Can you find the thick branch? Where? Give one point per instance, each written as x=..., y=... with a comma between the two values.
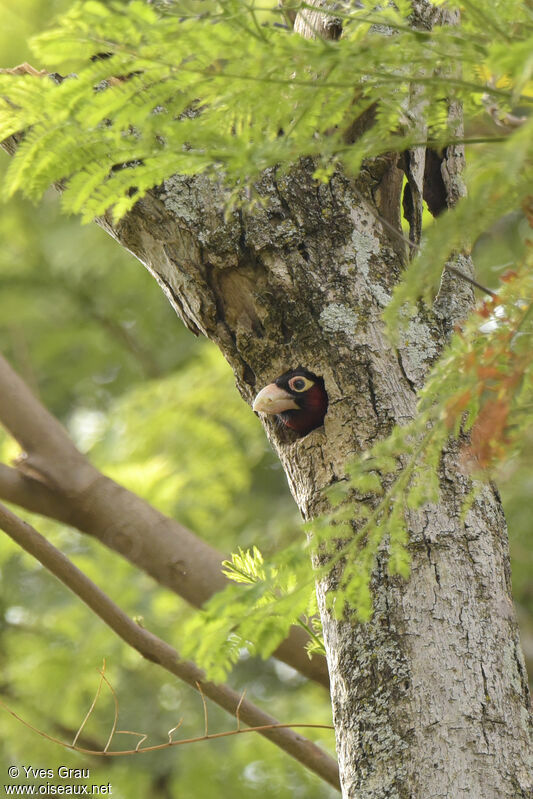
x=49, y=451
x=55, y=479
x=158, y=651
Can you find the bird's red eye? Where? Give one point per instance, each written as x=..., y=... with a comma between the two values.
x=300, y=383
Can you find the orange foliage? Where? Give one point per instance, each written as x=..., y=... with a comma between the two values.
x=488, y=433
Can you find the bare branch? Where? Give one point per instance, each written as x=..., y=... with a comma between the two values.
x=49, y=451
x=159, y=747
x=238, y=711
x=92, y=707
x=115, y=701
x=55, y=479
x=171, y=732
x=158, y=651
x=32, y=494
x=206, y=715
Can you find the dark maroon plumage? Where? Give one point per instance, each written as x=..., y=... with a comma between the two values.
x=298, y=397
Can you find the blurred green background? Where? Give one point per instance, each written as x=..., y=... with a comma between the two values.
x=156, y=409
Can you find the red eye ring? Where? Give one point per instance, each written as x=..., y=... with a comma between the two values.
x=299, y=383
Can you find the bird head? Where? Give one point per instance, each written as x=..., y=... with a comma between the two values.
x=298, y=397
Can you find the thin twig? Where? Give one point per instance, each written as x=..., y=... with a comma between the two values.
x=160, y=747
x=469, y=279
x=115, y=720
x=206, y=716
x=237, y=716
x=93, y=705
x=173, y=730
x=141, y=735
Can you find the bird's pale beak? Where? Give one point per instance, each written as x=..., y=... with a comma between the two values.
x=273, y=399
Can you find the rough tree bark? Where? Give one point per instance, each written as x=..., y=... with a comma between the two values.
x=430, y=698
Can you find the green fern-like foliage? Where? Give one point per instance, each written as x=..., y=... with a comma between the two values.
x=255, y=613
x=224, y=88
x=229, y=92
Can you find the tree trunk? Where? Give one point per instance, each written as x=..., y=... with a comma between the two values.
x=430, y=697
